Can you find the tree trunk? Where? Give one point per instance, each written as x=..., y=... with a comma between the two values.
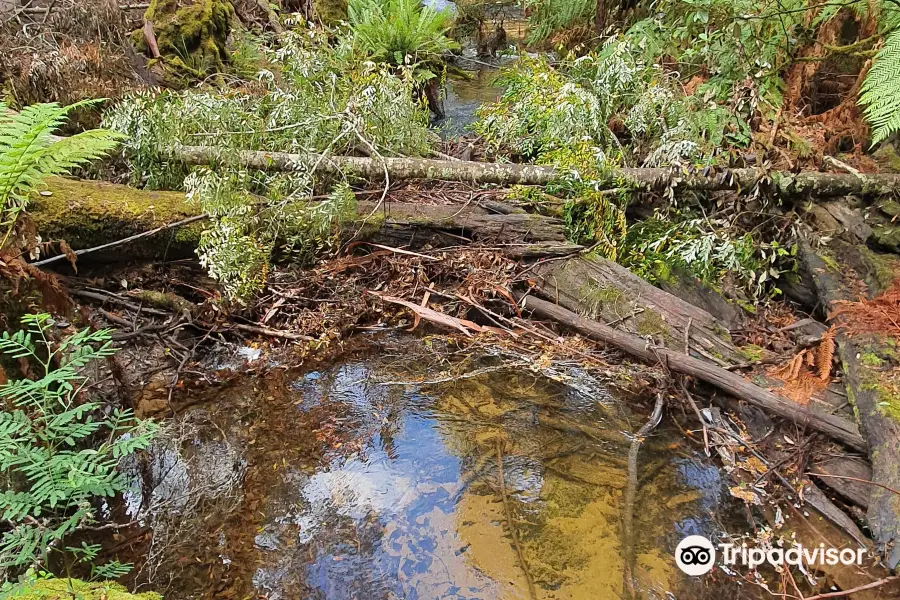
x=373, y=169
x=600, y=17
x=91, y=213
x=836, y=427
x=870, y=375
x=606, y=291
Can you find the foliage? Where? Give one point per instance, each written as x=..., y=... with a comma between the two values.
x=880, y=92
x=611, y=108
x=314, y=99
x=29, y=153
x=58, y=449
x=549, y=16
x=401, y=32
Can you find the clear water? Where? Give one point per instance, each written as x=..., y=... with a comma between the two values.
x=343, y=487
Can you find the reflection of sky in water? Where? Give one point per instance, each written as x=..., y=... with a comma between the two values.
x=706, y=479
x=410, y=499
x=404, y=502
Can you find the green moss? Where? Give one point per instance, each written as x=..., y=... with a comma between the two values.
x=829, y=261
x=603, y=300
x=192, y=37
x=750, y=352
x=883, y=269
x=650, y=323
x=53, y=589
x=883, y=381
x=90, y=213
x=870, y=359
x=330, y=12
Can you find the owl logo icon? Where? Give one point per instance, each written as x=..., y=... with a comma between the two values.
x=695, y=555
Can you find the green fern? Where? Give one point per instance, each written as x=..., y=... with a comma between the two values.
x=400, y=32
x=880, y=93
x=549, y=16
x=60, y=450
x=29, y=152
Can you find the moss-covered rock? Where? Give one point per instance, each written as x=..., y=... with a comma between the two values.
x=191, y=35
x=330, y=12
x=48, y=589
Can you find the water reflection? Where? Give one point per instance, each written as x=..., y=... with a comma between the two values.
x=353, y=489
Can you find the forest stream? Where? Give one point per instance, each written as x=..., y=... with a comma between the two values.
x=353, y=482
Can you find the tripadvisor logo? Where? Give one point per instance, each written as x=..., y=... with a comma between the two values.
x=696, y=555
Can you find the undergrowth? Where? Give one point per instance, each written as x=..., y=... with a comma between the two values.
x=610, y=109
x=311, y=99
x=59, y=450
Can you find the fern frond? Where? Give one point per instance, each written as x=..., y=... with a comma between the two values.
x=880, y=92
x=29, y=151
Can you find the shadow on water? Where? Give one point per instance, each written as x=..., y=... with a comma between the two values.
x=334, y=484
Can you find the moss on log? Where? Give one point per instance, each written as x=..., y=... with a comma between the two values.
x=871, y=366
x=191, y=36
x=606, y=291
x=90, y=213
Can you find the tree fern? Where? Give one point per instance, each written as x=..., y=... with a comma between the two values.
x=398, y=31
x=29, y=152
x=880, y=93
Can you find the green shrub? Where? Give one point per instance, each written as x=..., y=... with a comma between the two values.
x=401, y=33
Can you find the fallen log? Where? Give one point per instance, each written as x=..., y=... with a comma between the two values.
x=94, y=215
x=836, y=427
x=372, y=169
x=845, y=476
x=842, y=273
x=604, y=290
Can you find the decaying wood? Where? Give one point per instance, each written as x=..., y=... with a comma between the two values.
x=841, y=474
x=811, y=416
x=812, y=183
x=825, y=507
x=604, y=290
x=844, y=273
x=96, y=215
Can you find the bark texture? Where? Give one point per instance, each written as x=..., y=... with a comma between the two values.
x=789, y=184
x=601, y=289
x=844, y=272
x=837, y=427
x=91, y=213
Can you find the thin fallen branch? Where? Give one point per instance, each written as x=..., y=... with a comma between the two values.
x=631, y=490
x=132, y=238
x=838, y=428
x=512, y=524
x=811, y=183
x=861, y=588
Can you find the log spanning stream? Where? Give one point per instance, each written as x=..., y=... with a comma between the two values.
x=351, y=482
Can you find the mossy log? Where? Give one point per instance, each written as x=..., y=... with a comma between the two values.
x=871, y=367
x=371, y=169
x=90, y=213
x=604, y=290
